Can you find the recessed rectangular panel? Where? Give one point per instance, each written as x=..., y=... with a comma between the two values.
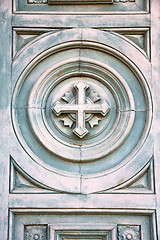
x=79, y=1
x=70, y=226
x=83, y=231
x=81, y=6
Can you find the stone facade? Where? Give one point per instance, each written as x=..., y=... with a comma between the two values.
x=80, y=120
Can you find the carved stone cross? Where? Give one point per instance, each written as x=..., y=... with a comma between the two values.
x=81, y=108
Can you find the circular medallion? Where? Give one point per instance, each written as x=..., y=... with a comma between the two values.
x=84, y=116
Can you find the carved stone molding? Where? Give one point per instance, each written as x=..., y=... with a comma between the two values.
x=22, y=183
x=99, y=7
x=86, y=223
x=114, y=100
x=82, y=231
x=65, y=231
x=129, y=233
x=79, y=106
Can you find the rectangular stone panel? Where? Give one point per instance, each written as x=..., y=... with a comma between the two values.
x=78, y=1
x=50, y=225
x=81, y=6
x=82, y=231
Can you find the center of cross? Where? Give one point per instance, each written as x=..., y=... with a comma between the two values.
x=81, y=107
x=88, y=116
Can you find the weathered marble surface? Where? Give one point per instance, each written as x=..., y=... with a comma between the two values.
x=45, y=186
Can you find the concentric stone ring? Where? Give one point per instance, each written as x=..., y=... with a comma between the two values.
x=86, y=117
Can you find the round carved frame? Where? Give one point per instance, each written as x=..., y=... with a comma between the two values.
x=71, y=167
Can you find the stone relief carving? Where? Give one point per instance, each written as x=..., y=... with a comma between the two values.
x=79, y=106
x=129, y=233
x=48, y=138
x=40, y=232
x=35, y=232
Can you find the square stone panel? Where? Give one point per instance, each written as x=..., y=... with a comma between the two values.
x=35, y=232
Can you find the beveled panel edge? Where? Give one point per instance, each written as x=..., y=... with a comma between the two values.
x=125, y=188
x=100, y=228
x=14, y=169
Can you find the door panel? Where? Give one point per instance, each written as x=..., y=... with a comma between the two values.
x=80, y=120
x=57, y=71
x=84, y=226
x=81, y=6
